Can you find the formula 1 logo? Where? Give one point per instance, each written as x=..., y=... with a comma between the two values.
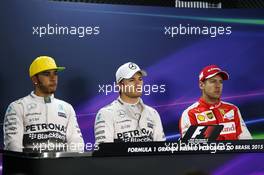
x=199, y=132
x=210, y=132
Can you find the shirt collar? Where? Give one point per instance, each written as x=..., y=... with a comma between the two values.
x=129, y=104
x=208, y=105
x=42, y=99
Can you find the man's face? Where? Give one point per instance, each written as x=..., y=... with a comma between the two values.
x=212, y=87
x=132, y=87
x=46, y=81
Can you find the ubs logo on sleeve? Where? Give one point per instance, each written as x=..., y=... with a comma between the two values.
x=61, y=111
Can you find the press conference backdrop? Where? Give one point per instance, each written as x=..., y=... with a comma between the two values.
x=172, y=45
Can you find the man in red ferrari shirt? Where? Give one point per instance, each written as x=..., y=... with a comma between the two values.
x=210, y=110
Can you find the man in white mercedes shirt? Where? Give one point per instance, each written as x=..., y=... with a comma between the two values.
x=40, y=122
x=128, y=119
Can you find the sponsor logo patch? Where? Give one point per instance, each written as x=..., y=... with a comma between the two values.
x=229, y=128
x=121, y=113
x=201, y=117
x=150, y=125
x=229, y=115
x=125, y=126
x=222, y=111
x=31, y=106
x=135, y=135
x=98, y=117
x=210, y=115
x=61, y=114
x=10, y=111
x=205, y=117
x=34, y=114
